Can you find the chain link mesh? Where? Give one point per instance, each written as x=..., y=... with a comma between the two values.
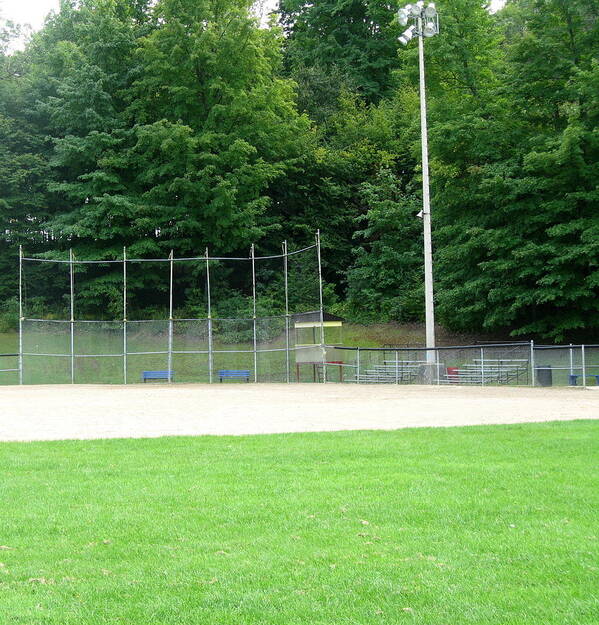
x=210, y=315
x=259, y=316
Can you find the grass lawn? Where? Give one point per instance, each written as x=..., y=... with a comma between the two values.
x=483, y=525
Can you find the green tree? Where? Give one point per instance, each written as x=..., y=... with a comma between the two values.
x=385, y=281
x=23, y=163
x=518, y=179
x=186, y=162
x=337, y=45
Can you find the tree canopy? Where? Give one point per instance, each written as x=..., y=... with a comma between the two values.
x=181, y=124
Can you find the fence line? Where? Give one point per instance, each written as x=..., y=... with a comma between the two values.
x=209, y=308
x=516, y=362
x=255, y=341
x=287, y=319
x=499, y=363
x=72, y=282
x=20, y=314
x=322, y=341
x=438, y=348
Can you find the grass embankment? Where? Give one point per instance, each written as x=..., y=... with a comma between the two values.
x=480, y=525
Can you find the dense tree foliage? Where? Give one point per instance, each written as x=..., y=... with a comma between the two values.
x=517, y=192
x=181, y=124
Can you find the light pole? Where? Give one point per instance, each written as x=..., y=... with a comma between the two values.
x=425, y=23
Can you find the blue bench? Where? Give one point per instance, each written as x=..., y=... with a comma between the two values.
x=157, y=375
x=223, y=374
x=573, y=378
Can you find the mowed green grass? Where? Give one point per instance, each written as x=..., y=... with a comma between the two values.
x=481, y=525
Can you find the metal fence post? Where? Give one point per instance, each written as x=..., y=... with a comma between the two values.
x=396, y=367
x=170, y=320
x=255, y=343
x=209, y=305
x=584, y=367
x=124, y=315
x=482, y=366
x=20, y=314
x=322, y=343
x=532, y=363
x=571, y=361
x=72, y=281
x=286, y=278
x=358, y=366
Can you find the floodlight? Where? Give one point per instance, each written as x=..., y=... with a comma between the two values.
x=406, y=36
x=430, y=10
x=402, y=17
x=420, y=4
x=415, y=10
x=429, y=29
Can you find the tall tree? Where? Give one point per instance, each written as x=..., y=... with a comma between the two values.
x=337, y=45
x=23, y=163
x=186, y=160
x=519, y=187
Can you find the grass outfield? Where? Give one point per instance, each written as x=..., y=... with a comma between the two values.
x=482, y=525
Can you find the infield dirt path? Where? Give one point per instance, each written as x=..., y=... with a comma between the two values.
x=85, y=412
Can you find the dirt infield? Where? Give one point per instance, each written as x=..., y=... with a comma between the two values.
x=84, y=412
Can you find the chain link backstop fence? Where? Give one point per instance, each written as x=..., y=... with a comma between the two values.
x=214, y=319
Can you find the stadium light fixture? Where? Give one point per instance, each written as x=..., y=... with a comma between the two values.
x=430, y=11
x=425, y=23
x=407, y=35
x=425, y=18
x=429, y=30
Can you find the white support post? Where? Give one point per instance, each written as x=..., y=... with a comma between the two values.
x=287, y=320
x=170, y=319
x=532, y=364
x=322, y=343
x=209, y=305
x=358, y=366
x=124, y=315
x=20, y=314
x=396, y=367
x=571, y=361
x=426, y=211
x=253, y=258
x=482, y=366
x=584, y=367
x=72, y=281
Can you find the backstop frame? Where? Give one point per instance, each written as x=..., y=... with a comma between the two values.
x=72, y=262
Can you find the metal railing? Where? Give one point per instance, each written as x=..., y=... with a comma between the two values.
x=195, y=359
x=499, y=364
x=9, y=368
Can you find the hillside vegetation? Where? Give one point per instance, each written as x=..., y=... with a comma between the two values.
x=180, y=124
